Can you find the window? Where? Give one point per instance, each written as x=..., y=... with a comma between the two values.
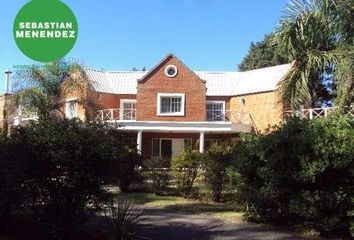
x=128, y=109
x=170, y=104
x=156, y=147
x=71, y=109
x=171, y=71
x=215, y=111
x=161, y=147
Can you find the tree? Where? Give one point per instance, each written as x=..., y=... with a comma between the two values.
x=41, y=89
x=318, y=37
x=262, y=54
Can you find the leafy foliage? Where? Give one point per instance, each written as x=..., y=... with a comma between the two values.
x=126, y=160
x=301, y=172
x=262, y=54
x=317, y=36
x=185, y=170
x=12, y=191
x=215, y=163
x=56, y=169
x=122, y=218
x=158, y=172
x=40, y=90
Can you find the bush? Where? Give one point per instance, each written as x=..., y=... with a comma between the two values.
x=215, y=163
x=158, y=172
x=302, y=172
x=122, y=219
x=56, y=169
x=126, y=160
x=13, y=158
x=185, y=170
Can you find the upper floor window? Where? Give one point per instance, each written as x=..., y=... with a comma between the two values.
x=170, y=104
x=215, y=110
x=71, y=108
x=171, y=71
x=128, y=109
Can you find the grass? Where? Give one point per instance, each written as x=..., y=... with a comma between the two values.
x=226, y=211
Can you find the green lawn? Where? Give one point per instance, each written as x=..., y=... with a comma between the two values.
x=225, y=211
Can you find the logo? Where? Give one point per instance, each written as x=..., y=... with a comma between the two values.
x=45, y=30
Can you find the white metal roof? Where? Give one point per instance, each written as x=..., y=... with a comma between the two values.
x=217, y=83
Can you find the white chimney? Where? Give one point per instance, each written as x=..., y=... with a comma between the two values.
x=7, y=80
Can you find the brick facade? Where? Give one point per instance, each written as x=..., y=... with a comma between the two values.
x=225, y=99
x=263, y=107
x=184, y=82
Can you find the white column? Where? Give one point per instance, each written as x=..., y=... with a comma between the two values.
x=139, y=140
x=201, y=142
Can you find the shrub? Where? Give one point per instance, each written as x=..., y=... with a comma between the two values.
x=122, y=219
x=185, y=170
x=12, y=178
x=300, y=173
x=215, y=163
x=126, y=160
x=158, y=172
x=60, y=167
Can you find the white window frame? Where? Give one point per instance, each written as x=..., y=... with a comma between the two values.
x=160, y=95
x=167, y=68
x=217, y=102
x=67, y=110
x=121, y=108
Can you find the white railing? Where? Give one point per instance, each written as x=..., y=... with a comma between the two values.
x=313, y=113
x=114, y=114
x=229, y=116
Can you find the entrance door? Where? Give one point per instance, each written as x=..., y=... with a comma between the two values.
x=166, y=148
x=177, y=146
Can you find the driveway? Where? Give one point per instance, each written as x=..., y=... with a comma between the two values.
x=162, y=224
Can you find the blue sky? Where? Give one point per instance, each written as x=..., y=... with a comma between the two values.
x=120, y=35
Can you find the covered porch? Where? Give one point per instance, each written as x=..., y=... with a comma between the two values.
x=168, y=139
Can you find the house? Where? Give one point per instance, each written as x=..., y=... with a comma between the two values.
x=171, y=106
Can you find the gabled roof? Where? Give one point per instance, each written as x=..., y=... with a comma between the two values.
x=168, y=56
x=217, y=83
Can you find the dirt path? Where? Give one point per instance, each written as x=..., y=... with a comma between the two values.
x=161, y=224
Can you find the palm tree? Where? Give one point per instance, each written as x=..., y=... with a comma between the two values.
x=42, y=89
x=318, y=37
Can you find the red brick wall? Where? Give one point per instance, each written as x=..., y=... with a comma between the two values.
x=185, y=82
x=109, y=100
x=226, y=99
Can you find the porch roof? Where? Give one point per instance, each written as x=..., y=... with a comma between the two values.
x=183, y=127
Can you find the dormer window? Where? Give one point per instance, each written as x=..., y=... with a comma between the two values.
x=170, y=104
x=171, y=71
